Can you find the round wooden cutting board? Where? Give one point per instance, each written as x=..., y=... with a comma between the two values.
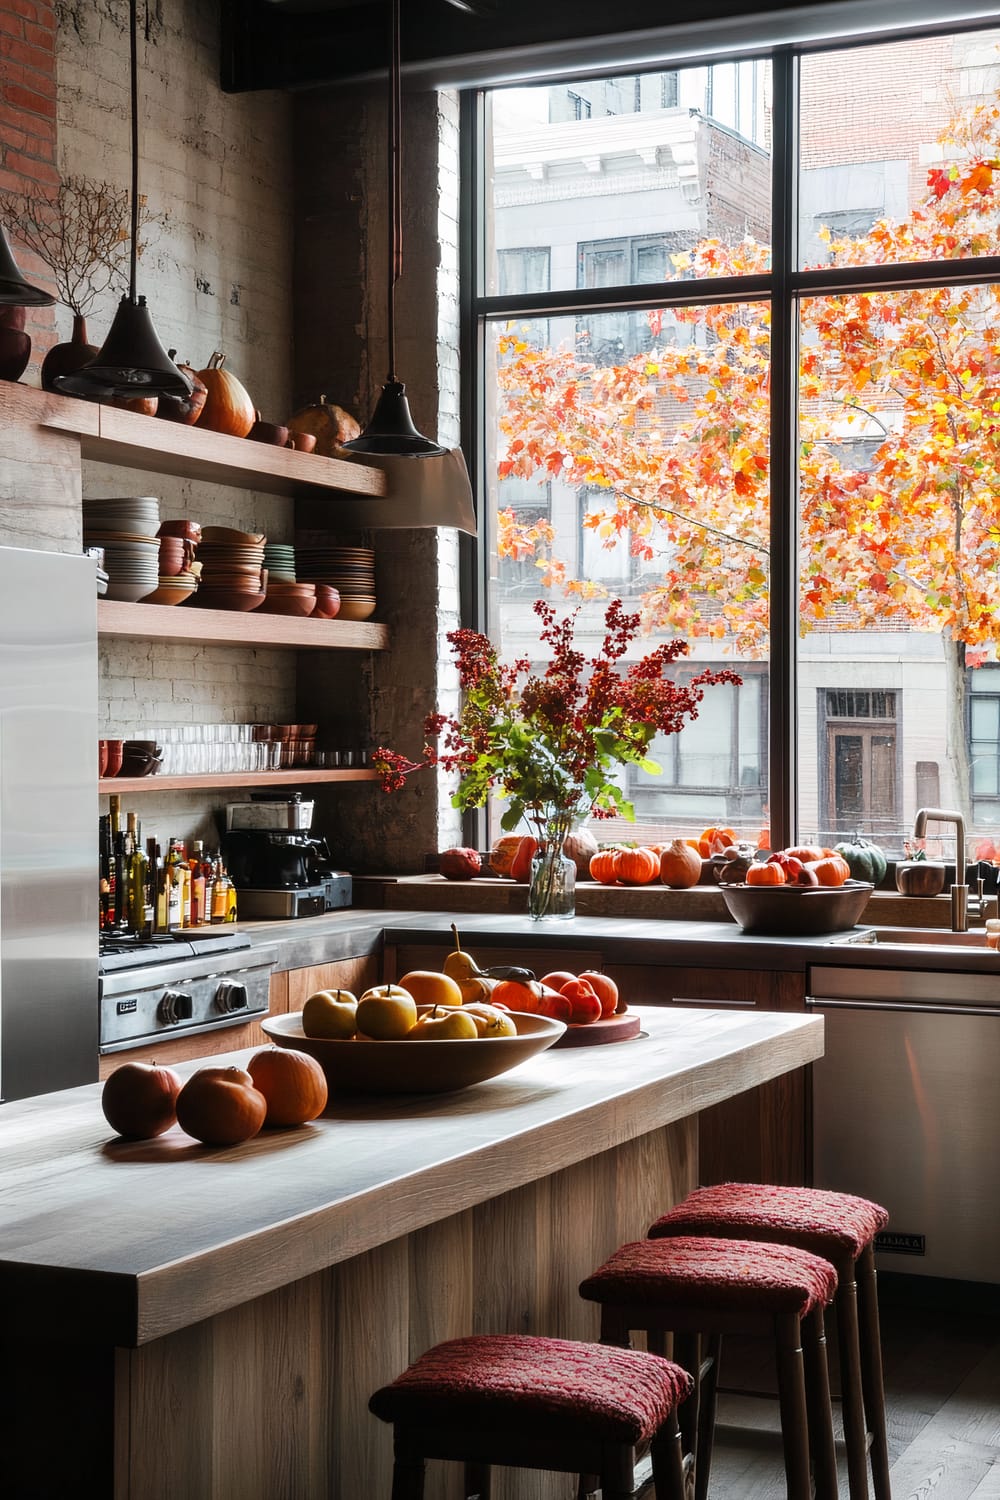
x=597, y=1033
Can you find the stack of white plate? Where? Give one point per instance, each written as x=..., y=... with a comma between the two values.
x=350, y=570
x=126, y=529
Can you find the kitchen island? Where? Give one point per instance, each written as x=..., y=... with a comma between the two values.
x=210, y=1323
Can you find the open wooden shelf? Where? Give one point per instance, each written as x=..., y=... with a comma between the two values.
x=224, y=627
x=114, y=436
x=233, y=779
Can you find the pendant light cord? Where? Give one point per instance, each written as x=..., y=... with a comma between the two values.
x=134, y=83
x=395, y=182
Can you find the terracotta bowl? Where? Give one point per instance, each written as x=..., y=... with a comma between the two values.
x=304, y=442
x=794, y=910
x=301, y=605
x=268, y=432
x=415, y=1067
x=189, y=531
x=327, y=601
x=116, y=749
x=236, y=599
x=229, y=534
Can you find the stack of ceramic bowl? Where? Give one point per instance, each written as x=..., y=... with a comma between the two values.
x=232, y=563
x=125, y=529
x=349, y=570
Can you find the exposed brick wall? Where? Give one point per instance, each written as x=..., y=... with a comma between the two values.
x=28, y=134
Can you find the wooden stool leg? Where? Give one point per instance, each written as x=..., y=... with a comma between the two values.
x=821, y=1446
x=408, y=1467
x=687, y=1353
x=851, y=1387
x=871, y=1372
x=478, y=1481
x=792, y=1398
x=667, y=1453
x=711, y=1360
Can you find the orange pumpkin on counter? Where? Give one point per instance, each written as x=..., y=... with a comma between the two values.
x=768, y=874
x=602, y=867
x=636, y=866
x=680, y=865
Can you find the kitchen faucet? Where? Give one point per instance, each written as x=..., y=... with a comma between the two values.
x=959, y=889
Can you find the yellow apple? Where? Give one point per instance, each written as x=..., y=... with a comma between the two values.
x=330, y=1013
x=386, y=1012
x=445, y=1023
x=430, y=988
x=490, y=1021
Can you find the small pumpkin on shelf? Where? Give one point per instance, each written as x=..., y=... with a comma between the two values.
x=228, y=408
x=636, y=866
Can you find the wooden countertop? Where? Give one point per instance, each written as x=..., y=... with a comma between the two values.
x=118, y=1243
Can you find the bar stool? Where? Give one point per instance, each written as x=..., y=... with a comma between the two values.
x=536, y=1403
x=700, y=1288
x=842, y=1229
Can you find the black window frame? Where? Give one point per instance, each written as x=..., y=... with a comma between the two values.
x=785, y=286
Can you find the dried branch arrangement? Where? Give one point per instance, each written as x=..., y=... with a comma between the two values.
x=81, y=232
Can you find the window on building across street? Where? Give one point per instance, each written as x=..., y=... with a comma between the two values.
x=838, y=550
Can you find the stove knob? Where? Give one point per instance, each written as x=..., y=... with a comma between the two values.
x=231, y=996
x=175, y=1006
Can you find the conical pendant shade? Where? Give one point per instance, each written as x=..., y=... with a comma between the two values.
x=131, y=362
x=14, y=290
x=391, y=431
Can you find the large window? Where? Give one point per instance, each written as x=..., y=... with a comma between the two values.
x=813, y=502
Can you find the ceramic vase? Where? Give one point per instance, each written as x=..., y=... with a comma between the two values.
x=66, y=359
x=15, y=344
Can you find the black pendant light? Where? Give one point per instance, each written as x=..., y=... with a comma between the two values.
x=14, y=290
x=391, y=430
x=131, y=361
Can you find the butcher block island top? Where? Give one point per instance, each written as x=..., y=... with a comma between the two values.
x=118, y=1243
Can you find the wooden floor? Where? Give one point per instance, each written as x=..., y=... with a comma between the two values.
x=942, y=1373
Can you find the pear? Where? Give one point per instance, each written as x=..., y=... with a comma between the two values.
x=473, y=981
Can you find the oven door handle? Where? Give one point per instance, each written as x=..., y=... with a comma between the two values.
x=818, y=1002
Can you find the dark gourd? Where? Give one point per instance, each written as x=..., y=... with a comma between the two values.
x=865, y=859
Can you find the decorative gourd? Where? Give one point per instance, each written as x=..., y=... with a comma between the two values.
x=832, y=869
x=714, y=840
x=184, y=409
x=602, y=867
x=580, y=846
x=502, y=853
x=636, y=866
x=766, y=874
x=680, y=865
x=520, y=865
x=866, y=860
x=329, y=424
x=228, y=407
x=807, y=853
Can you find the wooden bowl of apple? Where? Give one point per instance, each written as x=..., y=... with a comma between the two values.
x=414, y=1037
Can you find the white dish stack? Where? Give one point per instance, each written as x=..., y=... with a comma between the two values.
x=126, y=529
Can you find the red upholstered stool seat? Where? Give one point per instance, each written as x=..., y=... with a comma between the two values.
x=842, y=1228
x=536, y=1403
x=700, y=1288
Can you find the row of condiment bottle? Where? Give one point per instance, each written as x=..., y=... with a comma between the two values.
x=145, y=892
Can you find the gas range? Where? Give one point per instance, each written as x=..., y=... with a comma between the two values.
x=179, y=985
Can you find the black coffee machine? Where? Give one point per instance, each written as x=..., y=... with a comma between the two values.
x=281, y=870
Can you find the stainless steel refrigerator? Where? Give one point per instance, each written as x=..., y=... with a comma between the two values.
x=48, y=822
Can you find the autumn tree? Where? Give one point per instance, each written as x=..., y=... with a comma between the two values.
x=678, y=438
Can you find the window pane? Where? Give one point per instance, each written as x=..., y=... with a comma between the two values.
x=677, y=157
x=658, y=476
x=898, y=479
x=910, y=179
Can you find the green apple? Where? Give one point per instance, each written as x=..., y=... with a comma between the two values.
x=330, y=1014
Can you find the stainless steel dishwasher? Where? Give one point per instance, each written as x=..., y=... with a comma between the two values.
x=906, y=1110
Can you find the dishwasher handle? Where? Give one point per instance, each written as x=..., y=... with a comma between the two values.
x=818, y=1002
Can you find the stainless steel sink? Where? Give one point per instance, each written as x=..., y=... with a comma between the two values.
x=910, y=937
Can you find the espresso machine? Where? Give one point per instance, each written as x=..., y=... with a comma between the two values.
x=278, y=866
